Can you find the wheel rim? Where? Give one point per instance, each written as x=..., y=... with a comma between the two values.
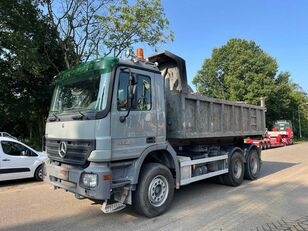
x=158, y=191
x=40, y=173
x=237, y=169
x=254, y=165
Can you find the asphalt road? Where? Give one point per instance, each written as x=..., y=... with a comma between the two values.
x=276, y=201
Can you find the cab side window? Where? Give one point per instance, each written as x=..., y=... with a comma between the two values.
x=15, y=149
x=143, y=94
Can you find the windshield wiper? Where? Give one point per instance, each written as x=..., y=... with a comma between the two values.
x=79, y=117
x=55, y=118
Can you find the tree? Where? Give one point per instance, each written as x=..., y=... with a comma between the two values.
x=142, y=22
x=281, y=99
x=242, y=71
x=103, y=27
x=239, y=70
x=29, y=59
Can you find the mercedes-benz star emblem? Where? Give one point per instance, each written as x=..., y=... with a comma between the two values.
x=62, y=149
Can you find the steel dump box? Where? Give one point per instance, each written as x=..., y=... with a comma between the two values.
x=194, y=116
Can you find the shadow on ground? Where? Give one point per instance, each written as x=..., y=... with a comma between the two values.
x=271, y=167
x=10, y=183
x=191, y=202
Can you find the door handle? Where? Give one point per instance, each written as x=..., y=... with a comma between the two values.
x=6, y=160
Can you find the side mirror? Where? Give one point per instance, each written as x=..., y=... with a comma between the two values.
x=132, y=82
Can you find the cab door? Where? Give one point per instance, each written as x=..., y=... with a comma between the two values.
x=16, y=161
x=139, y=130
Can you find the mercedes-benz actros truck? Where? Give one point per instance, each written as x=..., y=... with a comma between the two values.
x=131, y=132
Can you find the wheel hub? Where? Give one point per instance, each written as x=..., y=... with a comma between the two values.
x=254, y=165
x=158, y=191
x=237, y=169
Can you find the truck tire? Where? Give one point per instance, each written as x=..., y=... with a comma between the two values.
x=265, y=145
x=253, y=165
x=235, y=175
x=155, y=190
x=269, y=145
x=261, y=146
x=38, y=174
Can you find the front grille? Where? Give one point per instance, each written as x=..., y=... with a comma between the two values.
x=77, y=150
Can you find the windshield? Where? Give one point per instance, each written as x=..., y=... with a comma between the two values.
x=83, y=93
x=282, y=125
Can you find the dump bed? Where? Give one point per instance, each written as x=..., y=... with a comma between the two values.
x=192, y=116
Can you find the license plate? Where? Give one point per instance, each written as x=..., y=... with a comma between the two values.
x=63, y=174
x=58, y=172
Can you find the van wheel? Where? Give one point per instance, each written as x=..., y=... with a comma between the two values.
x=235, y=175
x=155, y=190
x=38, y=175
x=253, y=165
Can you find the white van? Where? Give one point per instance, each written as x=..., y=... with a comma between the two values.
x=18, y=160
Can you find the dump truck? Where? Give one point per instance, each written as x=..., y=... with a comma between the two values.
x=131, y=132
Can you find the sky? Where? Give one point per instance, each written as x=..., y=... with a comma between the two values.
x=280, y=27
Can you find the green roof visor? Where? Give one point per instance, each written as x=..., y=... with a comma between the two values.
x=102, y=66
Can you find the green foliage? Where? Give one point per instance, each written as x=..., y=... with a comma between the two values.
x=242, y=71
x=239, y=70
x=96, y=28
x=29, y=58
x=142, y=22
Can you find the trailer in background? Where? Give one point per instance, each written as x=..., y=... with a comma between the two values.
x=281, y=135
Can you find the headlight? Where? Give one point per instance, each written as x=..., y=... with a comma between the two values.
x=89, y=180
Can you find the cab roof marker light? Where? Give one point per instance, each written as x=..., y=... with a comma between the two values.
x=140, y=53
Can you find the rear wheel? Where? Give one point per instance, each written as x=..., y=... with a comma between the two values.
x=38, y=175
x=261, y=146
x=269, y=145
x=265, y=145
x=236, y=170
x=253, y=165
x=155, y=190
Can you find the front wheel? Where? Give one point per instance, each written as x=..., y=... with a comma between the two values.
x=38, y=175
x=155, y=190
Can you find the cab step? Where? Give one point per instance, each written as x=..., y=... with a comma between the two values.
x=112, y=208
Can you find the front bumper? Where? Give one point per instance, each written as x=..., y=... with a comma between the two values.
x=68, y=178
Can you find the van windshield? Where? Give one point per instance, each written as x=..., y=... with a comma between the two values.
x=87, y=93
